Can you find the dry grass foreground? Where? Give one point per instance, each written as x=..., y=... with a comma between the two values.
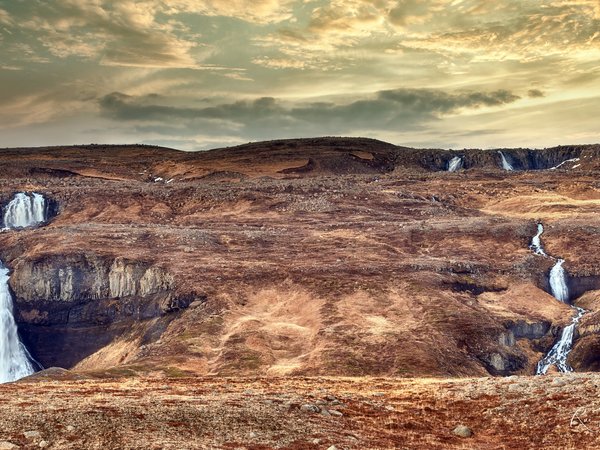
x=561, y=411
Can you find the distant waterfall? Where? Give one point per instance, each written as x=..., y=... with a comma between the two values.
x=557, y=356
x=558, y=282
x=25, y=210
x=505, y=164
x=536, y=242
x=15, y=362
x=456, y=163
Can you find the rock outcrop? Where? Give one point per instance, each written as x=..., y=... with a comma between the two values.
x=71, y=305
x=80, y=278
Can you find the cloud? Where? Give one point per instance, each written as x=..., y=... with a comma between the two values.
x=124, y=33
x=535, y=93
x=406, y=12
x=254, y=11
x=342, y=31
x=281, y=68
x=5, y=17
x=266, y=116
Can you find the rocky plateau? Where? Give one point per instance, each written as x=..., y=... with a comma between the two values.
x=314, y=260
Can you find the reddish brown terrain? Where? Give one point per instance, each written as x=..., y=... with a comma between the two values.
x=165, y=279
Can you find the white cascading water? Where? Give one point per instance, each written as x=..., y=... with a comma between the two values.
x=558, y=282
x=557, y=356
x=536, y=243
x=15, y=361
x=25, y=210
x=505, y=164
x=456, y=163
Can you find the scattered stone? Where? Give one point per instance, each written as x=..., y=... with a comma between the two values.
x=308, y=407
x=324, y=412
x=463, y=431
x=70, y=428
x=5, y=445
x=316, y=441
x=335, y=412
x=43, y=444
x=333, y=447
x=252, y=435
x=32, y=435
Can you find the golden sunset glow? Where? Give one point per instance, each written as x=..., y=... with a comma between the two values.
x=200, y=74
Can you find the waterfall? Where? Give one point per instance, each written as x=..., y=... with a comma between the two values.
x=558, y=282
x=557, y=356
x=536, y=243
x=505, y=164
x=15, y=361
x=25, y=210
x=456, y=163
x=558, y=353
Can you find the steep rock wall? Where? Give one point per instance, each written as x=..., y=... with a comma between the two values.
x=80, y=278
x=69, y=306
x=519, y=158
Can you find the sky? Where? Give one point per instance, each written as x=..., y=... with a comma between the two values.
x=200, y=74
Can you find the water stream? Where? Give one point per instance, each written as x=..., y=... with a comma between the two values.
x=557, y=356
x=536, y=243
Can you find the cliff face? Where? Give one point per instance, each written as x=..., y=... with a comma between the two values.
x=83, y=277
x=69, y=306
x=520, y=159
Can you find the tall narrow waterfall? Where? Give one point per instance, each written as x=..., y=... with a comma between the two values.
x=557, y=356
x=14, y=359
x=456, y=163
x=25, y=210
x=505, y=164
x=558, y=282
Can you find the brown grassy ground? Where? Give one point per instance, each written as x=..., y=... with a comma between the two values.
x=264, y=413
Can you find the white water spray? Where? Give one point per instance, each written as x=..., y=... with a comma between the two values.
x=15, y=361
x=558, y=282
x=456, y=163
x=557, y=355
x=25, y=210
x=536, y=242
x=505, y=164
